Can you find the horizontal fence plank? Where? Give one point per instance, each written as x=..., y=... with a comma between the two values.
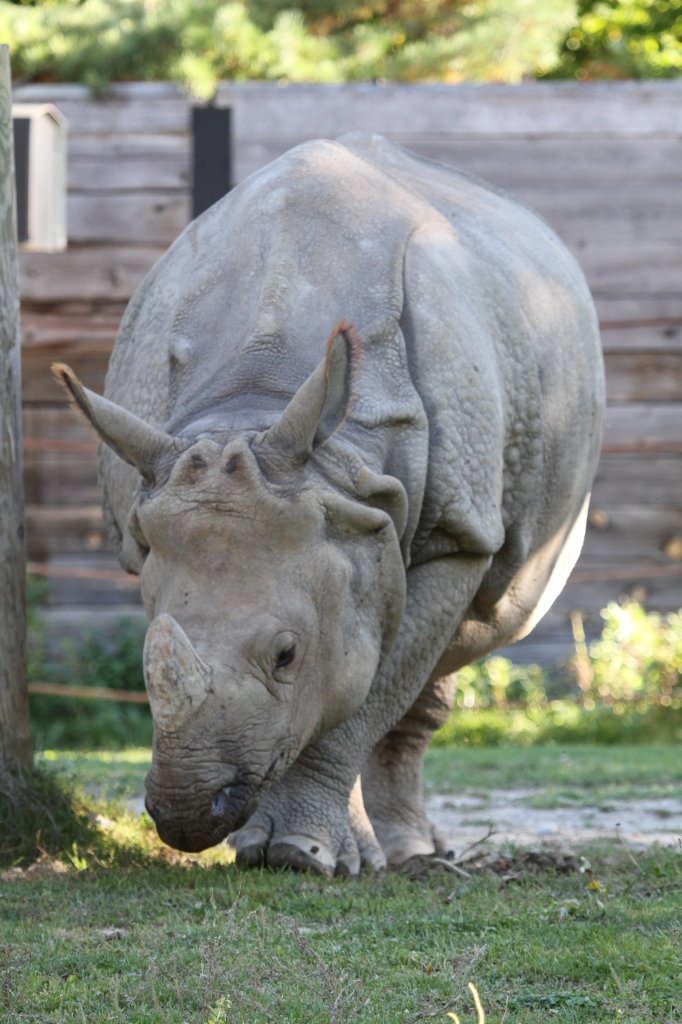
x=618, y=307
x=93, y=578
x=643, y=423
x=659, y=593
x=617, y=536
x=52, y=530
x=44, y=329
x=638, y=480
x=58, y=478
x=56, y=421
x=585, y=217
x=107, y=273
x=64, y=478
x=649, y=270
x=552, y=635
x=644, y=376
x=88, y=360
x=139, y=218
x=84, y=568
x=127, y=108
x=553, y=161
x=589, y=108
x=97, y=321
x=270, y=116
x=622, y=535
x=661, y=335
x=596, y=233
x=126, y=163
x=88, y=692
x=627, y=283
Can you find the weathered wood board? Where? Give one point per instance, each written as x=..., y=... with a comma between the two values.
x=15, y=736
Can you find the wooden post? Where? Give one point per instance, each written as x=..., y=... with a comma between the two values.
x=15, y=737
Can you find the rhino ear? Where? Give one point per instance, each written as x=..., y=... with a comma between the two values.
x=133, y=440
x=317, y=409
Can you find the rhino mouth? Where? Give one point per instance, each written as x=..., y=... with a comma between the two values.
x=192, y=831
x=193, y=828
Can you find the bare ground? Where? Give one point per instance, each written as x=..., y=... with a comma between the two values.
x=513, y=819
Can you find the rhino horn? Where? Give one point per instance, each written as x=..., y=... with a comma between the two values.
x=317, y=409
x=177, y=679
x=133, y=440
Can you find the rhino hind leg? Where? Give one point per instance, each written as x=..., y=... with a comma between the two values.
x=393, y=784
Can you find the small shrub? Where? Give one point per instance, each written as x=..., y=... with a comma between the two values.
x=112, y=661
x=626, y=687
x=638, y=658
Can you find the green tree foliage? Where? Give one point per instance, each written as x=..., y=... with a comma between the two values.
x=199, y=42
x=623, y=39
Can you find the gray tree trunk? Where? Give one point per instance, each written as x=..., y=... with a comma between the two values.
x=15, y=738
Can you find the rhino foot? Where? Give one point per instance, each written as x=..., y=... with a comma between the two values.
x=281, y=834
x=301, y=852
x=402, y=841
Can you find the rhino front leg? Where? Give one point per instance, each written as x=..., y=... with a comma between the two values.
x=305, y=825
x=307, y=820
x=393, y=780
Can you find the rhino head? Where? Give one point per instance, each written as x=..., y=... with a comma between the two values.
x=272, y=596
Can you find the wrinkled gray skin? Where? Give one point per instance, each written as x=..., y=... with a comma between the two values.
x=323, y=538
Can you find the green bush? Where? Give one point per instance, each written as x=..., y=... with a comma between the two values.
x=626, y=687
x=200, y=42
x=623, y=39
x=94, y=660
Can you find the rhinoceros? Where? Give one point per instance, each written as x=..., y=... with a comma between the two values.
x=351, y=423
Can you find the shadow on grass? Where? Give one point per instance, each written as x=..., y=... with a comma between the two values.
x=46, y=817
x=39, y=814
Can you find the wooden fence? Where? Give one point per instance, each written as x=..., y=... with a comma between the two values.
x=601, y=162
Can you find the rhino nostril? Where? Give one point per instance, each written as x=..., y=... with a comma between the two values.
x=223, y=801
x=230, y=801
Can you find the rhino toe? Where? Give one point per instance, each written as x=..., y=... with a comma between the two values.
x=303, y=854
x=250, y=843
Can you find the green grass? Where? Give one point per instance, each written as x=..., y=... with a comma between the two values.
x=168, y=943
x=577, y=773
x=634, y=770
x=119, y=929
x=109, y=774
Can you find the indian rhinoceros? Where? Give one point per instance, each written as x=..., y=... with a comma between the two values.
x=325, y=535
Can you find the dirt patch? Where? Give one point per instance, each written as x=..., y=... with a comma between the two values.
x=466, y=818
x=509, y=868
x=43, y=868
x=513, y=819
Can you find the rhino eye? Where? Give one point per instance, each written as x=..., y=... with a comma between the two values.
x=285, y=656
